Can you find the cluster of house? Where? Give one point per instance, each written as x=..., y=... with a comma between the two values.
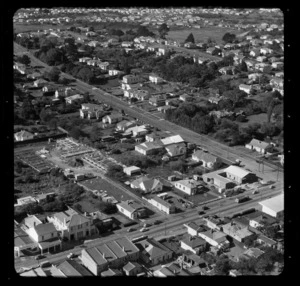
x=123, y=256
x=47, y=233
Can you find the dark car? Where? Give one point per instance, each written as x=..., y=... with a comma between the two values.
x=201, y=212
x=45, y=264
x=157, y=222
x=205, y=208
x=40, y=256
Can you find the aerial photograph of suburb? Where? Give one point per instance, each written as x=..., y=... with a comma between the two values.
x=148, y=142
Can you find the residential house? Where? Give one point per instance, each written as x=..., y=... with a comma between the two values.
x=238, y=59
x=219, y=180
x=227, y=70
x=137, y=130
x=277, y=65
x=261, y=220
x=266, y=241
x=48, y=88
x=189, y=187
x=132, y=268
x=266, y=51
x=124, y=124
x=185, y=97
x=153, y=252
x=164, y=108
x=23, y=135
x=277, y=82
x=126, y=44
x=72, y=225
x=93, y=44
x=252, y=253
x=74, y=98
x=132, y=170
x=254, y=53
x=194, y=244
x=259, y=146
x=254, y=76
x=246, y=88
x=114, y=72
x=110, y=254
x=211, y=50
x=195, y=227
x=40, y=82
x=273, y=206
x=22, y=240
x=147, y=184
x=175, y=150
x=239, y=175
x=44, y=234
x=250, y=64
x=84, y=59
x=215, y=238
x=35, y=75
x=148, y=148
x=111, y=272
x=207, y=159
x=163, y=204
x=131, y=209
x=71, y=268
x=170, y=270
x=155, y=79
x=21, y=68
x=67, y=91
x=89, y=110
x=128, y=79
x=214, y=222
x=175, y=139
x=112, y=118
x=215, y=99
x=263, y=67
x=261, y=59
x=157, y=100
x=156, y=136
x=103, y=65
x=236, y=231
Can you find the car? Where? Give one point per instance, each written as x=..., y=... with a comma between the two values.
x=45, y=264
x=201, y=212
x=157, y=222
x=40, y=256
x=272, y=187
x=144, y=229
x=205, y=208
x=71, y=255
x=131, y=229
x=255, y=192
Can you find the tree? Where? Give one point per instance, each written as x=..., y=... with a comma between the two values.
x=163, y=30
x=222, y=266
x=53, y=74
x=86, y=74
x=24, y=60
x=190, y=38
x=243, y=67
x=229, y=38
x=143, y=31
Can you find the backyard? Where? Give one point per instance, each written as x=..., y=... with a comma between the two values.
x=256, y=118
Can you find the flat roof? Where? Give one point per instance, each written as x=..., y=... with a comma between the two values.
x=240, y=172
x=275, y=203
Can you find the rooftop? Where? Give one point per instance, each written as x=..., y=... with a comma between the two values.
x=236, y=171
x=72, y=268
x=275, y=203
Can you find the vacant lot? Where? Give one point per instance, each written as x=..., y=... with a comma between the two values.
x=202, y=34
x=100, y=184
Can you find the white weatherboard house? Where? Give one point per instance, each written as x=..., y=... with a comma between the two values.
x=274, y=206
x=258, y=146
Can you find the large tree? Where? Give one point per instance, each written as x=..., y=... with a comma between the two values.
x=229, y=38
x=190, y=38
x=163, y=30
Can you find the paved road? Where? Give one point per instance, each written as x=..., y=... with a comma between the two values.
x=214, y=147
x=168, y=227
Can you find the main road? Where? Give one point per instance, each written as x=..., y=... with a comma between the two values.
x=271, y=172
x=228, y=206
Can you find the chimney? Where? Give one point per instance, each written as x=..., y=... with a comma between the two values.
x=103, y=255
x=123, y=248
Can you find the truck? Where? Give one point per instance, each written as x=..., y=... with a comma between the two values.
x=242, y=199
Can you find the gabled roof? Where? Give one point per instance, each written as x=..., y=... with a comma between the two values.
x=153, y=248
x=72, y=218
x=206, y=157
x=260, y=144
x=42, y=229
x=236, y=171
x=130, y=206
x=172, y=140
x=151, y=184
x=23, y=133
x=131, y=265
x=71, y=268
x=193, y=241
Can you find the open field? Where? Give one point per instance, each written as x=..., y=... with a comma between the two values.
x=202, y=34
x=23, y=27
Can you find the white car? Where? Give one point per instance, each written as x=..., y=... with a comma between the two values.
x=144, y=229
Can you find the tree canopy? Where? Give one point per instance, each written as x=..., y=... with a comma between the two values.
x=229, y=38
x=190, y=39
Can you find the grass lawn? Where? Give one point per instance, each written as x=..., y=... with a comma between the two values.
x=88, y=206
x=202, y=34
x=256, y=118
x=111, y=83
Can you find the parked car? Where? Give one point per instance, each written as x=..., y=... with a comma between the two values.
x=272, y=187
x=144, y=229
x=71, y=255
x=157, y=222
x=255, y=192
x=45, y=264
x=40, y=256
x=131, y=229
x=205, y=208
x=201, y=212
